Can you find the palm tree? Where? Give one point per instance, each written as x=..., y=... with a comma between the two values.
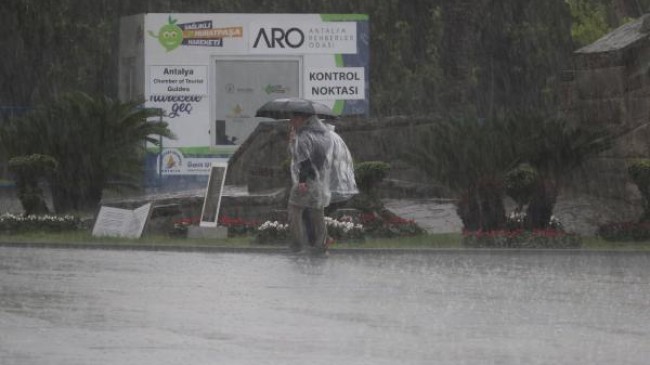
x=554, y=147
x=98, y=142
x=470, y=157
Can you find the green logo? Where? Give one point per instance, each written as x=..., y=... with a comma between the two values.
x=170, y=35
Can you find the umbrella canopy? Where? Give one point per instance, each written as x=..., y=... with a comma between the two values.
x=283, y=108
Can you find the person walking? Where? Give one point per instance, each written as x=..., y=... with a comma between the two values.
x=320, y=165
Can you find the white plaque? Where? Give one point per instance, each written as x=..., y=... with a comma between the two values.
x=117, y=222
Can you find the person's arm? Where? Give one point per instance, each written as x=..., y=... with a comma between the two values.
x=306, y=171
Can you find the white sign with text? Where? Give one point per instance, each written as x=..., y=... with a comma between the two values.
x=118, y=222
x=335, y=83
x=302, y=38
x=178, y=80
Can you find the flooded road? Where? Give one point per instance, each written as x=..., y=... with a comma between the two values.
x=130, y=307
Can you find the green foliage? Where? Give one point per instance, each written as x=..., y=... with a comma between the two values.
x=405, y=41
x=520, y=183
x=639, y=171
x=470, y=157
x=473, y=157
x=370, y=173
x=28, y=171
x=459, y=152
x=503, y=55
x=554, y=147
x=589, y=21
x=98, y=143
x=33, y=166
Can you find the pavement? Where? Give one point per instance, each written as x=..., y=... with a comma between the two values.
x=578, y=213
x=432, y=215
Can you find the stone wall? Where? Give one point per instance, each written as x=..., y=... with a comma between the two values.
x=262, y=160
x=612, y=90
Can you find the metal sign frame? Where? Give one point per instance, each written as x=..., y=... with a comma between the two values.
x=213, y=193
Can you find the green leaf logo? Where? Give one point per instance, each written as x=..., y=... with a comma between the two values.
x=170, y=35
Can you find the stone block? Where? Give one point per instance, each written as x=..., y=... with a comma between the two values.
x=218, y=232
x=264, y=178
x=601, y=83
x=638, y=109
x=604, y=112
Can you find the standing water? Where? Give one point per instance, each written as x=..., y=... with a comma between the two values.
x=116, y=307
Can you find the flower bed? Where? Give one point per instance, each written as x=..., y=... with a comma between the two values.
x=238, y=226
x=389, y=226
x=547, y=238
x=625, y=231
x=344, y=229
x=270, y=233
x=11, y=224
x=180, y=226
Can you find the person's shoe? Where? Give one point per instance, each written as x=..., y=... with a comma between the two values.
x=329, y=241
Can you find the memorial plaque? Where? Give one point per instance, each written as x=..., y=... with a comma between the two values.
x=212, y=200
x=118, y=222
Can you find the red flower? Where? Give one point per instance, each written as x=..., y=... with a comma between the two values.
x=236, y=222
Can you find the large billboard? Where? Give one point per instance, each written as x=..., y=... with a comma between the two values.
x=210, y=72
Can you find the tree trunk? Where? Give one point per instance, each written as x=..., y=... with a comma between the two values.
x=481, y=207
x=540, y=209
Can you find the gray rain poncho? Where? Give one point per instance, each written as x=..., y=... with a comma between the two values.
x=320, y=158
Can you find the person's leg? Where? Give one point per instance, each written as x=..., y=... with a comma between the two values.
x=317, y=224
x=297, y=229
x=309, y=227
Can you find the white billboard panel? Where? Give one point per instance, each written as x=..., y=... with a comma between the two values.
x=210, y=101
x=302, y=38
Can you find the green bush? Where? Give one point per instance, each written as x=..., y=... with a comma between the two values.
x=520, y=184
x=28, y=171
x=98, y=143
x=370, y=173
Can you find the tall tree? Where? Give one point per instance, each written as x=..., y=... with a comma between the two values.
x=459, y=41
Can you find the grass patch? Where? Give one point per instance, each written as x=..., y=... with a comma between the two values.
x=597, y=243
x=451, y=240
x=445, y=240
x=433, y=241
x=86, y=238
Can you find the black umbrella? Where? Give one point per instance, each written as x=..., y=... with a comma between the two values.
x=283, y=108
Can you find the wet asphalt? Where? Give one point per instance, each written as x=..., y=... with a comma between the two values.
x=78, y=306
